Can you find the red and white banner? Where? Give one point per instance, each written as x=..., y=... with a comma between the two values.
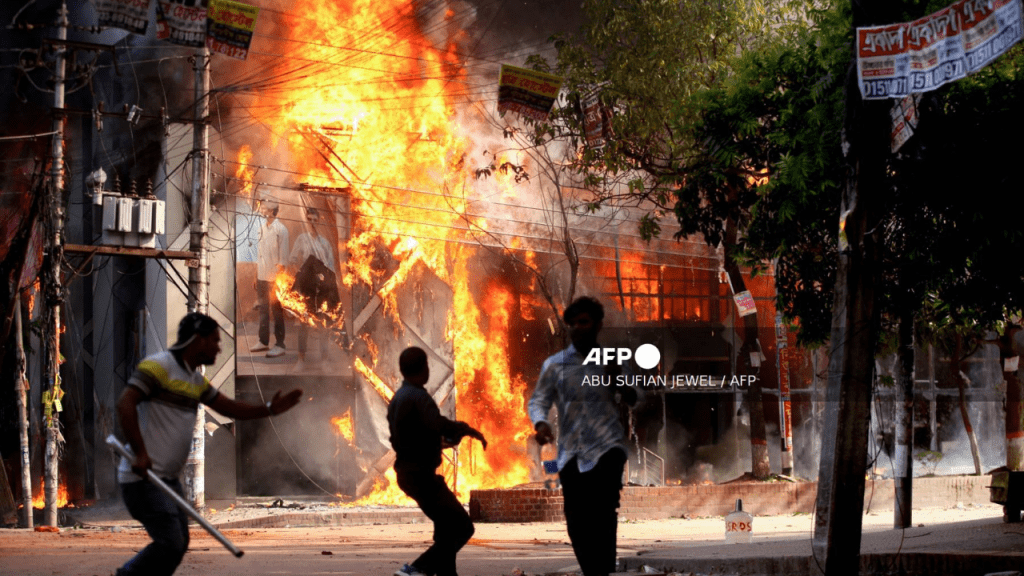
x=896, y=60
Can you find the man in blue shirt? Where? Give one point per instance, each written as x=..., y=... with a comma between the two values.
x=417, y=431
x=591, y=441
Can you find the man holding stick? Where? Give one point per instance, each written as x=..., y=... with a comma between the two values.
x=157, y=411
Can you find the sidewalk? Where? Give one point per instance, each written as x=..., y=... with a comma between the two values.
x=963, y=540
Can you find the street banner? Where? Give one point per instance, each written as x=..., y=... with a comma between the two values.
x=181, y=22
x=896, y=60
x=229, y=27
x=130, y=15
x=745, y=303
x=529, y=93
x=785, y=404
x=596, y=121
x=904, y=120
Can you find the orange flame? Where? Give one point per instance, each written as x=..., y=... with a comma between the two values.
x=39, y=500
x=385, y=493
x=344, y=425
x=377, y=118
x=294, y=302
x=383, y=389
x=245, y=173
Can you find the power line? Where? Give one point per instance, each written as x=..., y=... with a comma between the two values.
x=547, y=211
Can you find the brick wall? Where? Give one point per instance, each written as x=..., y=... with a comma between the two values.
x=760, y=499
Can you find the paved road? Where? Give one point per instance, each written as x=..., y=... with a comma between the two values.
x=497, y=549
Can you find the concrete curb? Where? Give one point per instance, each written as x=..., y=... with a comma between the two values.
x=340, y=518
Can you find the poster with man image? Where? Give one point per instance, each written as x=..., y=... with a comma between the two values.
x=290, y=311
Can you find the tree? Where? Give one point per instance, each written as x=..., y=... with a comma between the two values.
x=643, y=61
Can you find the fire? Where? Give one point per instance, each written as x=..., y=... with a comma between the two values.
x=383, y=389
x=375, y=113
x=295, y=303
x=245, y=173
x=39, y=500
x=344, y=425
x=385, y=493
x=493, y=400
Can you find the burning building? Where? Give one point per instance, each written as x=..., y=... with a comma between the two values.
x=375, y=115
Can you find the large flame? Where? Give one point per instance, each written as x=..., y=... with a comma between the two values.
x=372, y=112
x=39, y=500
x=325, y=316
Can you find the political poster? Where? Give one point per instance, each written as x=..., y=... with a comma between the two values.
x=229, y=27
x=527, y=92
x=182, y=22
x=896, y=60
x=745, y=303
x=130, y=15
x=597, y=121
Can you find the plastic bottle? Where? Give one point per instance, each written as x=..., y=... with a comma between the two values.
x=549, y=461
x=739, y=525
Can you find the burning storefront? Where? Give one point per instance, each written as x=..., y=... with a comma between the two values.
x=382, y=142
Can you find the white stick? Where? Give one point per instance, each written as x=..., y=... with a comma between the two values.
x=120, y=448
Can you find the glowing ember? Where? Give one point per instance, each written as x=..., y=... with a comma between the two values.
x=344, y=425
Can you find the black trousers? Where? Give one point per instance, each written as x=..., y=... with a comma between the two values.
x=452, y=526
x=591, y=504
x=268, y=303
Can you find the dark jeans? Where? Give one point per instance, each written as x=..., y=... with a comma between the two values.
x=166, y=524
x=452, y=526
x=267, y=301
x=591, y=500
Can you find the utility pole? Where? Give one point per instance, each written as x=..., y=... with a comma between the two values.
x=903, y=464
x=53, y=291
x=198, y=272
x=844, y=442
x=21, y=392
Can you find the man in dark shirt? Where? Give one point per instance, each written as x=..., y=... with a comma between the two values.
x=417, y=429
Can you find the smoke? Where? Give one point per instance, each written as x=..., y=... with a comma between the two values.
x=952, y=450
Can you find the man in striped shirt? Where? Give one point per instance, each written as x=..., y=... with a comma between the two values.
x=157, y=411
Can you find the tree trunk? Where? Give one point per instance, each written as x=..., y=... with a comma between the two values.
x=22, y=386
x=961, y=385
x=748, y=362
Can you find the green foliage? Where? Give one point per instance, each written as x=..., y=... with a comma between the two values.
x=645, y=59
x=945, y=229
x=771, y=162
x=732, y=114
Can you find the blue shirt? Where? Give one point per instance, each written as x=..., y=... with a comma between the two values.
x=588, y=416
